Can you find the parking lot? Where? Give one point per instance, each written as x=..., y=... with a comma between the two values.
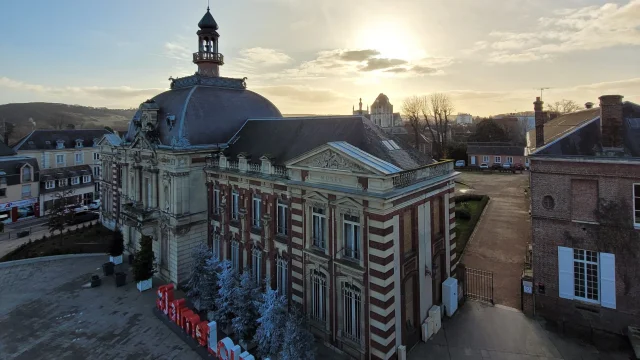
x=502, y=234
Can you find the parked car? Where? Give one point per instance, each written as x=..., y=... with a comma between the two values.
x=484, y=166
x=518, y=167
x=83, y=217
x=496, y=167
x=506, y=166
x=461, y=163
x=76, y=208
x=94, y=205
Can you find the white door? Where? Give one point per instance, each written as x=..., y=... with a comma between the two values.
x=473, y=160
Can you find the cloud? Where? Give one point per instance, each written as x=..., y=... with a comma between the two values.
x=262, y=56
x=297, y=93
x=381, y=64
x=176, y=51
x=564, y=31
x=358, y=55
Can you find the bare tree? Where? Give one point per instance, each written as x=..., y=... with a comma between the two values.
x=437, y=117
x=59, y=121
x=413, y=109
x=564, y=106
x=61, y=212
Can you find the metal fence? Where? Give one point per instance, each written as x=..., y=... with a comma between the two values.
x=478, y=285
x=15, y=234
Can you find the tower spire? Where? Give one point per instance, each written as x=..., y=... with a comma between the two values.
x=208, y=58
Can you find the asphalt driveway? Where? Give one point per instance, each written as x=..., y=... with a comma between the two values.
x=501, y=236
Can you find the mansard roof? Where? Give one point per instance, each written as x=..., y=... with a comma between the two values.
x=44, y=139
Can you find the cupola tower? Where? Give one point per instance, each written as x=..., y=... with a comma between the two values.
x=208, y=58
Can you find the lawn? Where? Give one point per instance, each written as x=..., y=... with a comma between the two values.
x=468, y=211
x=87, y=239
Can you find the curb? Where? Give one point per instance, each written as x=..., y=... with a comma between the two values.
x=473, y=234
x=7, y=264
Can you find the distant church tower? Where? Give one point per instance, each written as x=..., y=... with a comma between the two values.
x=208, y=58
x=382, y=112
x=360, y=111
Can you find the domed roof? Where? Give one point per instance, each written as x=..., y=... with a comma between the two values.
x=205, y=115
x=208, y=22
x=381, y=99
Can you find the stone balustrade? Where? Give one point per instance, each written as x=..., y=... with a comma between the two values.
x=411, y=177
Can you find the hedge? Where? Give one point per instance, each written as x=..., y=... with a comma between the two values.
x=463, y=237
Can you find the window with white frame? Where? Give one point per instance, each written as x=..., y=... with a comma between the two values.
x=636, y=204
x=26, y=190
x=319, y=220
x=235, y=254
x=86, y=179
x=60, y=159
x=75, y=180
x=79, y=158
x=497, y=159
x=96, y=156
x=26, y=173
x=282, y=267
x=510, y=159
x=587, y=276
x=216, y=201
x=62, y=182
x=235, y=203
x=318, y=295
x=485, y=159
x=351, y=236
x=255, y=218
x=79, y=143
x=96, y=171
x=282, y=218
x=256, y=264
x=60, y=144
x=352, y=303
x=50, y=184
x=217, y=245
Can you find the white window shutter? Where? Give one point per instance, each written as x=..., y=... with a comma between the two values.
x=565, y=272
x=608, y=280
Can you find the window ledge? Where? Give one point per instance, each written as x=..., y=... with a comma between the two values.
x=585, y=222
x=315, y=251
x=353, y=264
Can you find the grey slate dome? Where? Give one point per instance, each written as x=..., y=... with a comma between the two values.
x=208, y=22
x=204, y=115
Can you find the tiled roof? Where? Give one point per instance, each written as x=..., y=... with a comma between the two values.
x=285, y=139
x=370, y=160
x=65, y=173
x=494, y=149
x=45, y=139
x=11, y=165
x=561, y=125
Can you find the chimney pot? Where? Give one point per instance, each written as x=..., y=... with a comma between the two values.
x=588, y=105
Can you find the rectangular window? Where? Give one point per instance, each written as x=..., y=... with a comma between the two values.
x=636, y=204
x=282, y=218
x=510, y=159
x=3, y=192
x=497, y=159
x=235, y=203
x=437, y=216
x=352, y=299
x=96, y=171
x=318, y=295
x=86, y=179
x=26, y=190
x=97, y=190
x=282, y=268
x=62, y=182
x=75, y=180
x=235, y=255
x=3, y=180
x=50, y=184
x=217, y=248
x=351, y=237
x=79, y=158
x=585, y=275
x=485, y=159
x=96, y=156
x=255, y=215
x=319, y=221
x=216, y=201
x=60, y=159
x=256, y=264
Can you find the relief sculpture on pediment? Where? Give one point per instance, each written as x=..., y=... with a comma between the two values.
x=332, y=160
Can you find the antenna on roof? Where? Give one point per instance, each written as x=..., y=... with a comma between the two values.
x=541, y=90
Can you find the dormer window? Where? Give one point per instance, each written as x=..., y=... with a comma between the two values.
x=26, y=173
x=79, y=143
x=60, y=144
x=95, y=141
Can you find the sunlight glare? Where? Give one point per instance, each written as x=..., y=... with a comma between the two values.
x=394, y=41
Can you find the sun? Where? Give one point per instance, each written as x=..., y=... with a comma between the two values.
x=394, y=40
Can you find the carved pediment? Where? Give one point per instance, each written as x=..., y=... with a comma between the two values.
x=333, y=160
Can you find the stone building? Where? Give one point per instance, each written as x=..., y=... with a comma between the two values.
x=19, y=186
x=585, y=209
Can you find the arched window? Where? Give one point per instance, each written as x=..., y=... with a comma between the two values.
x=282, y=275
x=235, y=255
x=318, y=295
x=352, y=304
x=256, y=263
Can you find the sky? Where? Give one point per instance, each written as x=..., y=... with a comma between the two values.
x=321, y=56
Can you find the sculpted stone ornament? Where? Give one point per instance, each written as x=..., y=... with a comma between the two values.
x=332, y=160
x=181, y=142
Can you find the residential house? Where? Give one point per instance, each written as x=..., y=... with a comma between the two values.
x=19, y=176
x=72, y=184
x=585, y=216
x=350, y=223
x=494, y=153
x=54, y=149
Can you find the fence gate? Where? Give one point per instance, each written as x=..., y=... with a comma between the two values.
x=478, y=285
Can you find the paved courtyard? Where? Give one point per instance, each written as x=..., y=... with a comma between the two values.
x=482, y=332
x=47, y=313
x=502, y=233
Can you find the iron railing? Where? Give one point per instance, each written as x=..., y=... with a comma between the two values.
x=478, y=285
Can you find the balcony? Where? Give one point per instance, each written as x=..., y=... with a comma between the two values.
x=247, y=167
x=208, y=56
x=410, y=177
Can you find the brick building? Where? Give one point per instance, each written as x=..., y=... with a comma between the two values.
x=360, y=235
x=492, y=153
x=585, y=208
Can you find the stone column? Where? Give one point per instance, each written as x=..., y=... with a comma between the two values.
x=154, y=188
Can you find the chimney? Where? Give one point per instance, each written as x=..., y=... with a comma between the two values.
x=611, y=127
x=588, y=105
x=552, y=115
x=540, y=120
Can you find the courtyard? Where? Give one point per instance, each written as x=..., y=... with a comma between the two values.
x=502, y=233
